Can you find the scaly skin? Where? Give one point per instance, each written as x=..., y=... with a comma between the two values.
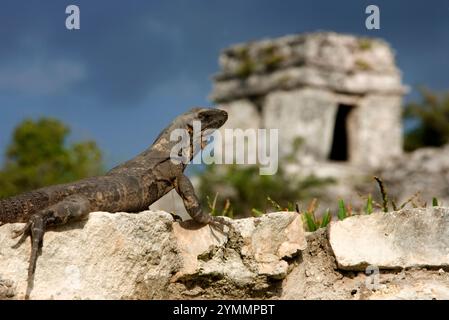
x=130, y=187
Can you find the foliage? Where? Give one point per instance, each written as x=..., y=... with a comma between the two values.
x=247, y=193
x=256, y=213
x=271, y=59
x=226, y=211
x=431, y=116
x=434, y=202
x=365, y=44
x=311, y=222
x=369, y=205
x=309, y=215
x=386, y=201
x=250, y=193
x=38, y=156
x=245, y=69
x=363, y=65
x=343, y=212
x=247, y=65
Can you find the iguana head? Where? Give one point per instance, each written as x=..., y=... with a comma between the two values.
x=196, y=123
x=209, y=118
x=203, y=120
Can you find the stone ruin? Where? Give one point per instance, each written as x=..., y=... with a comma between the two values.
x=340, y=94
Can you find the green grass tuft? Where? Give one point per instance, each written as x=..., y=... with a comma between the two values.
x=434, y=202
x=342, y=212
x=369, y=205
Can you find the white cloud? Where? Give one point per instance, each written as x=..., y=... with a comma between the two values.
x=41, y=77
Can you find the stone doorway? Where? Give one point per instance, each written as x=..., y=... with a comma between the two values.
x=340, y=137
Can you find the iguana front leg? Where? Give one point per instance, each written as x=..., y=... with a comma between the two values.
x=70, y=209
x=185, y=189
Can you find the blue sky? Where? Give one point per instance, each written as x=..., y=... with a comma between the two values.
x=134, y=65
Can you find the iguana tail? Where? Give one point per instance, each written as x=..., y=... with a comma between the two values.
x=20, y=208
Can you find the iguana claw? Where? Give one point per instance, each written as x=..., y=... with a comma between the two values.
x=35, y=228
x=219, y=223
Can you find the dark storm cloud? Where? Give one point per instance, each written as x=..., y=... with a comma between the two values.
x=118, y=55
x=125, y=49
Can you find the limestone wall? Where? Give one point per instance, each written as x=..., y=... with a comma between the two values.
x=149, y=256
x=307, y=113
x=375, y=130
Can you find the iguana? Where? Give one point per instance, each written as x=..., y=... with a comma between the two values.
x=130, y=187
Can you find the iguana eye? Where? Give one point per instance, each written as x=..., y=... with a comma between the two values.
x=190, y=129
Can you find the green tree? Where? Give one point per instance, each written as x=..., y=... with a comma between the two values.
x=431, y=119
x=39, y=156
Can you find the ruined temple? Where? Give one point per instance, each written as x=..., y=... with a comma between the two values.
x=339, y=94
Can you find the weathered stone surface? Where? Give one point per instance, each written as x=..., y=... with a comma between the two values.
x=375, y=130
x=257, y=254
x=338, y=62
x=260, y=84
x=406, y=238
x=308, y=114
x=324, y=49
x=428, y=287
x=111, y=256
x=148, y=256
x=318, y=277
x=6, y=289
x=425, y=171
x=242, y=115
